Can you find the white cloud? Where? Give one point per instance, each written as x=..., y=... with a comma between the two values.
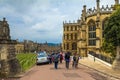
x=42, y=20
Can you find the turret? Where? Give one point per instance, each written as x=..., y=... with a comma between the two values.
x=116, y=2
x=84, y=8
x=4, y=19
x=98, y=5
x=83, y=13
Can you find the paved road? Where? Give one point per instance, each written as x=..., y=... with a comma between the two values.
x=47, y=72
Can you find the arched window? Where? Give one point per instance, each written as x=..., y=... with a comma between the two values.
x=103, y=25
x=74, y=46
x=91, y=33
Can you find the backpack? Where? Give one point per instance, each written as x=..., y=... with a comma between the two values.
x=67, y=56
x=56, y=58
x=74, y=58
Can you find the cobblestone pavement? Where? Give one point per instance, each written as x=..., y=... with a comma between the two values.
x=47, y=72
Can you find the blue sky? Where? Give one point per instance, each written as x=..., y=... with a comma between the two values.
x=42, y=20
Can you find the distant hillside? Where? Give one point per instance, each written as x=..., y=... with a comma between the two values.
x=53, y=44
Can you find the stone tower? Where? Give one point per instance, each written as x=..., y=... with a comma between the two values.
x=4, y=30
x=9, y=65
x=116, y=2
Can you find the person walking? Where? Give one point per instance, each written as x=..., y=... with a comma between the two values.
x=74, y=64
x=75, y=60
x=67, y=59
x=61, y=57
x=56, y=60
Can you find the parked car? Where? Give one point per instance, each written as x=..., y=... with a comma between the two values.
x=42, y=58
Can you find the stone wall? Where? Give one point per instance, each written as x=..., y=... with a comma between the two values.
x=9, y=64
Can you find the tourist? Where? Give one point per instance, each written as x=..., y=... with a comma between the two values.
x=56, y=60
x=67, y=59
x=61, y=57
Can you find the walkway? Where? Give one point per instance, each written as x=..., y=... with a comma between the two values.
x=100, y=67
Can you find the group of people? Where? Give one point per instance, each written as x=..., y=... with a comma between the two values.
x=59, y=57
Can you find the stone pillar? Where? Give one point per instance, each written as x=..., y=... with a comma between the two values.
x=98, y=35
x=98, y=4
x=116, y=63
x=4, y=70
x=9, y=64
x=83, y=40
x=98, y=27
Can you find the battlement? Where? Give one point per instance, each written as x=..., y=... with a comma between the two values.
x=102, y=10
x=91, y=12
x=71, y=23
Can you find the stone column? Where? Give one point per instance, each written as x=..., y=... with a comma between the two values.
x=4, y=69
x=98, y=36
x=116, y=63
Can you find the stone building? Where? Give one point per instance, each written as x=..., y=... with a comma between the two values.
x=19, y=47
x=9, y=65
x=49, y=48
x=30, y=46
x=70, y=36
x=86, y=35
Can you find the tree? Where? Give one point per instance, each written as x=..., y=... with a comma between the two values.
x=112, y=35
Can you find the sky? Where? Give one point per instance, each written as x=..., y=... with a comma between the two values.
x=42, y=20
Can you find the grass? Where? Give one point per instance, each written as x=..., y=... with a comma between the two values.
x=26, y=60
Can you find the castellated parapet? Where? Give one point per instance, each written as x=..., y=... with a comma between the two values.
x=103, y=10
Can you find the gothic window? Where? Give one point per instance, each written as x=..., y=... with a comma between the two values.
x=91, y=33
x=74, y=46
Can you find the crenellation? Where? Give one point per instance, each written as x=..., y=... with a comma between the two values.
x=106, y=9
x=103, y=9
x=91, y=12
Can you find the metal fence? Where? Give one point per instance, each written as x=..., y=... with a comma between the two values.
x=102, y=57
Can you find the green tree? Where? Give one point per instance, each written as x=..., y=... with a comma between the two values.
x=112, y=35
x=112, y=32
